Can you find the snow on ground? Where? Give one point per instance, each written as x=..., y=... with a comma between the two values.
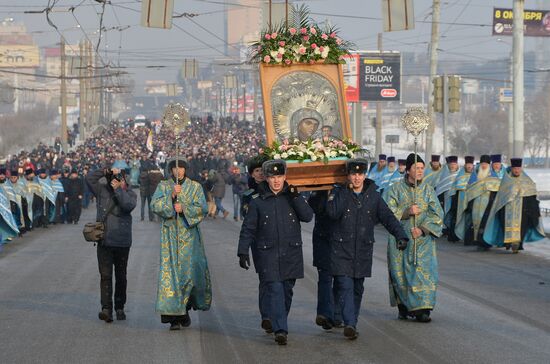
x=541, y=177
x=540, y=249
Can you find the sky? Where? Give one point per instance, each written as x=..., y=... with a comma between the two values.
x=465, y=30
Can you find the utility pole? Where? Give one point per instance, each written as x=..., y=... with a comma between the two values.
x=82, y=102
x=63, y=97
x=434, y=45
x=101, y=97
x=378, y=147
x=445, y=112
x=511, y=110
x=244, y=95
x=518, y=101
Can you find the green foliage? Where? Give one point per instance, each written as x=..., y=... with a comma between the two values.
x=304, y=41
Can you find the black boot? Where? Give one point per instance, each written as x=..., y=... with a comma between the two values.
x=120, y=315
x=403, y=312
x=174, y=326
x=423, y=316
x=324, y=322
x=350, y=333
x=266, y=325
x=281, y=337
x=106, y=315
x=185, y=321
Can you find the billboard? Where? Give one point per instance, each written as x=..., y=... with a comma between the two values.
x=19, y=56
x=380, y=76
x=351, y=79
x=536, y=22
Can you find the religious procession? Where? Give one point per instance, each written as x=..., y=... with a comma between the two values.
x=216, y=237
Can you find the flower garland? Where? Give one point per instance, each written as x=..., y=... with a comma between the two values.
x=305, y=42
x=311, y=150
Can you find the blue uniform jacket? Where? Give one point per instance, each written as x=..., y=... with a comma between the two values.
x=271, y=229
x=352, y=231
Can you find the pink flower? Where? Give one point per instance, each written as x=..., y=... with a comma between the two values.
x=303, y=31
x=313, y=30
x=268, y=36
x=312, y=62
x=273, y=35
x=302, y=50
x=287, y=61
x=324, y=36
x=313, y=46
x=261, y=150
x=285, y=142
x=267, y=59
x=282, y=44
x=292, y=31
x=338, y=41
x=321, y=49
x=306, y=38
x=279, y=55
x=333, y=35
x=259, y=48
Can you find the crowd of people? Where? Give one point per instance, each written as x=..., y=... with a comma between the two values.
x=215, y=151
x=478, y=199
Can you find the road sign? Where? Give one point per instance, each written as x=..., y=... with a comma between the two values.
x=380, y=76
x=392, y=139
x=397, y=15
x=536, y=22
x=506, y=94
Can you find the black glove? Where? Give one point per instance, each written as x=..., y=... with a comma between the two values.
x=244, y=261
x=402, y=244
x=293, y=191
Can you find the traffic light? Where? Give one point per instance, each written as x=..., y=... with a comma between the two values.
x=438, y=94
x=454, y=93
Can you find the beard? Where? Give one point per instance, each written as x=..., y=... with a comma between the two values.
x=483, y=173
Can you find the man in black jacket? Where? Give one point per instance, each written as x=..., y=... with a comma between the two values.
x=115, y=202
x=74, y=192
x=271, y=229
x=329, y=313
x=355, y=209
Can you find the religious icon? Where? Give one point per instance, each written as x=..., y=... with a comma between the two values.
x=304, y=102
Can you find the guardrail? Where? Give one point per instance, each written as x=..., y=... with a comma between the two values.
x=545, y=211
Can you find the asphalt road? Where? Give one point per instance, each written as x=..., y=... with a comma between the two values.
x=492, y=308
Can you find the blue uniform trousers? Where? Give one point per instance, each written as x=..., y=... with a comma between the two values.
x=279, y=295
x=327, y=305
x=263, y=300
x=349, y=293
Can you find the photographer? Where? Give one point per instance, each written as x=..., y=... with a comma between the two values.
x=116, y=201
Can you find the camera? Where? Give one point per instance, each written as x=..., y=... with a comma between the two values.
x=111, y=176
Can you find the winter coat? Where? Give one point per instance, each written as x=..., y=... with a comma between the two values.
x=321, y=230
x=352, y=229
x=118, y=226
x=239, y=183
x=271, y=229
x=73, y=187
x=155, y=176
x=219, y=185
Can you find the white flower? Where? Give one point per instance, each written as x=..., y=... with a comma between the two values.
x=274, y=54
x=317, y=51
x=313, y=158
x=324, y=53
x=281, y=50
x=301, y=154
x=277, y=156
x=284, y=155
x=332, y=154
